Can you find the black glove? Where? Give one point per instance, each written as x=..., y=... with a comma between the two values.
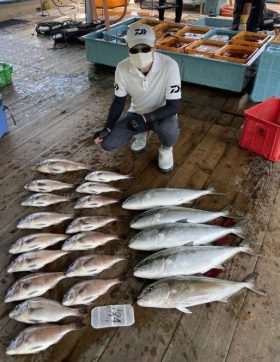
x=102, y=134
x=137, y=124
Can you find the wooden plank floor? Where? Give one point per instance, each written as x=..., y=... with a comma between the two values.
x=59, y=100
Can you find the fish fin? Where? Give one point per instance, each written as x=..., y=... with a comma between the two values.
x=227, y=210
x=212, y=190
x=247, y=249
x=78, y=325
x=223, y=300
x=183, y=309
x=250, y=280
x=239, y=228
x=220, y=266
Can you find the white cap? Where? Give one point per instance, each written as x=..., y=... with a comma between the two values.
x=141, y=34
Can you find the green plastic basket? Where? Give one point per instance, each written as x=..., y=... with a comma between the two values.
x=5, y=74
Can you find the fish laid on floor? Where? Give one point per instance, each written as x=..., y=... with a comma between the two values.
x=186, y=291
x=46, y=185
x=34, y=260
x=43, y=310
x=94, y=201
x=40, y=220
x=33, y=285
x=164, y=215
x=88, y=291
x=44, y=199
x=93, y=264
x=36, y=242
x=89, y=240
x=187, y=260
x=106, y=176
x=38, y=338
x=164, y=197
x=56, y=166
x=178, y=234
x=88, y=223
x=96, y=188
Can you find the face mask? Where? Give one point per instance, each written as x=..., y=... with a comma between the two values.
x=141, y=60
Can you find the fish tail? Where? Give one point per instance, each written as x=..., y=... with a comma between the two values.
x=227, y=210
x=212, y=190
x=250, y=284
x=245, y=245
x=239, y=228
x=77, y=325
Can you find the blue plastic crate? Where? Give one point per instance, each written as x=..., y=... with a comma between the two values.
x=214, y=23
x=212, y=7
x=216, y=33
x=117, y=34
x=267, y=82
x=4, y=128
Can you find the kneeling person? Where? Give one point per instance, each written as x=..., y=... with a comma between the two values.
x=153, y=82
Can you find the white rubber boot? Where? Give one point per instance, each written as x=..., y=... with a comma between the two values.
x=165, y=158
x=139, y=143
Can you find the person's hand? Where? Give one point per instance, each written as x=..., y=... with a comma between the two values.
x=242, y=27
x=100, y=135
x=138, y=124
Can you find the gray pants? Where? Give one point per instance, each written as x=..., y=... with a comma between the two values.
x=167, y=130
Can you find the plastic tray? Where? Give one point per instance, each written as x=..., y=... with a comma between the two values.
x=224, y=34
x=267, y=81
x=166, y=44
x=261, y=129
x=5, y=74
x=214, y=23
x=151, y=22
x=117, y=34
x=192, y=32
x=235, y=49
x=200, y=47
x=256, y=40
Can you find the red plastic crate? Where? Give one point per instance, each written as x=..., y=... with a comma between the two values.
x=261, y=129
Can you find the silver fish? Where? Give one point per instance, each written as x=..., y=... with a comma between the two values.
x=164, y=197
x=186, y=291
x=32, y=286
x=42, y=310
x=46, y=185
x=93, y=264
x=88, y=223
x=56, y=166
x=35, y=242
x=187, y=260
x=85, y=241
x=44, y=199
x=88, y=291
x=34, y=260
x=38, y=338
x=106, y=176
x=94, y=201
x=178, y=234
x=164, y=215
x=40, y=220
x=96, y=188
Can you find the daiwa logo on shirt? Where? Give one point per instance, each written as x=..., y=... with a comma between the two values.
x=116, y=87
x=140, y=31
x=175, y=88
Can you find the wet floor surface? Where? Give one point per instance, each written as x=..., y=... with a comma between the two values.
x=59, y=100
